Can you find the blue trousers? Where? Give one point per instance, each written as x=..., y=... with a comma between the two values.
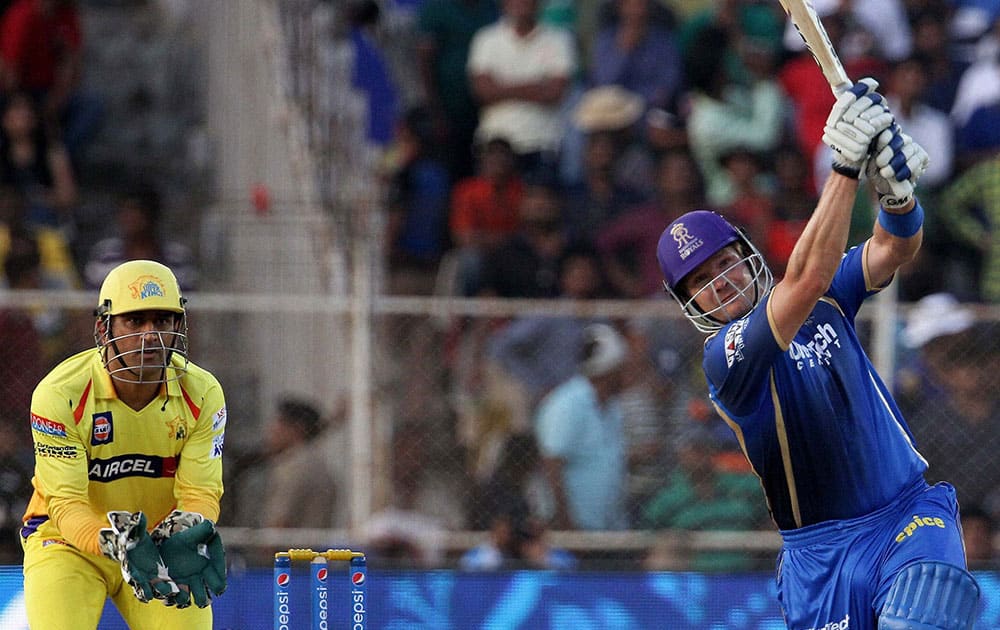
x=835, y=575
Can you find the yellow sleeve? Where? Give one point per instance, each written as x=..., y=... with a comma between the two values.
x=198, y=487
x=61, y=471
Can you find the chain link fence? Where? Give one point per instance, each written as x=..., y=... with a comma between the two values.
x=451, y=409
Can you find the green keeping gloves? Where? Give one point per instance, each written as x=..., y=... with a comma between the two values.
x=128, y=542
x=195, y=558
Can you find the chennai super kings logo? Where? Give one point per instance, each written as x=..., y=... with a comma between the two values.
x=177, y=428
x=146, y=287
x=686, y=244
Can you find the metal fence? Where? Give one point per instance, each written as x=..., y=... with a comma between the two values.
x=429, y=437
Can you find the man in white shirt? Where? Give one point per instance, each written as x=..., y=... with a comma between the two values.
x=520, y=72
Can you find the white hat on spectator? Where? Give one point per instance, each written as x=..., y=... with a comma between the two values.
x=604, y=350
x=608, y=108
x=934, y=316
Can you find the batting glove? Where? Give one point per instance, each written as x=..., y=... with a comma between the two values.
x=128, y=542
x=856, y=119
x=195, y=557
x=896, y=165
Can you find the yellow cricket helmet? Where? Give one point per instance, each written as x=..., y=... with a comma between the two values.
x=140, y=285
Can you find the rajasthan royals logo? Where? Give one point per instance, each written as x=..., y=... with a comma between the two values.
x=146, y=287
x=103, y=431
x=686, y=243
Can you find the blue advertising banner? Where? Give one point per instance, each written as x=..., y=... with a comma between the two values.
x=451, y=600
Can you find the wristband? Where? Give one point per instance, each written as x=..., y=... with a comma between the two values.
x=846, y=171
x=902, y=225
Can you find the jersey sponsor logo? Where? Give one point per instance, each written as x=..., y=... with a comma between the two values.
x=919, y=521
x=54, y=541
x=217, y=442
x=132, y=465
x=48, y=427
x=816, y=351
x=219, y=420
x=104, y=429
x=55, y=452
x=734, y=342
x=146, y=287
x=843, y=624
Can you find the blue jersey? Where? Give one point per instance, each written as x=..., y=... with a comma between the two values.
x=814, y=419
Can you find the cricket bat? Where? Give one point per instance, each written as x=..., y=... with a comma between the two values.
x=809, y=26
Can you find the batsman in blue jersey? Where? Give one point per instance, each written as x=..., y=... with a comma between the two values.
x=867, y=543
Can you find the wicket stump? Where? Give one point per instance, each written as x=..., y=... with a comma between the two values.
x=319, y=560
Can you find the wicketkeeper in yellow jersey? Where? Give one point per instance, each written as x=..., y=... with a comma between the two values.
x=128, y=469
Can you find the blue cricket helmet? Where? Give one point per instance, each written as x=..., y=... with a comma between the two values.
x=692, y=239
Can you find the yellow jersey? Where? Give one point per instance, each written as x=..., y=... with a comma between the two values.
x=94, y=453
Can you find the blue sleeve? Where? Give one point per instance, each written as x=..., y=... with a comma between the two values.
x=849, y=288
x=739, y=358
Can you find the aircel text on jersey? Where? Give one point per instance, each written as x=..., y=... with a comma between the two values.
x=816, y=352
x=918, y=521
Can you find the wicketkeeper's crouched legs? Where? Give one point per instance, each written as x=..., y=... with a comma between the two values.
x=65, y=589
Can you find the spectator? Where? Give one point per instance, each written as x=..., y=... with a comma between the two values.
x=640, y=54
x=616, y=167
x=528, y=356
x=701, y=495
x=138, y=225
x=423, y=506
x=299, y=489
x=580, y=434
x=953, y=412
x=973, y=209
x=446, y=31
x=628, y=242
x=41, y=46
x=907, y=82
x=371, y=72
x=979, y=85
x=978, y=531
x=540, y=350
x=503, y=506
x=21, y=353
x=419, y=192
x=56, y=271
x=752, y=207
x=36, y=164
x=724, y=115
x=931, y=44
x=516, y=542
x=520, y=72
x=485, y=210
x=526, y=264
x=793, y=205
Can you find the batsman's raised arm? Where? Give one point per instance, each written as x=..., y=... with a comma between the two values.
x=896, y=164
x=857, y=118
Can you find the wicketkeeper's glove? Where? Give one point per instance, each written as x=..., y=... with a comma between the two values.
x=897, y=163
x=195, y=557
x=128, y=542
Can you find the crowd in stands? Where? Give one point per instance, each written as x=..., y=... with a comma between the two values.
x=626, y=113
x=546, y=148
